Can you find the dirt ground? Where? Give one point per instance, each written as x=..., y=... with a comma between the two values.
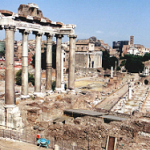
x=8, y=144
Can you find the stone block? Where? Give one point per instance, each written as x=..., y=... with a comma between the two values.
x=2, y=117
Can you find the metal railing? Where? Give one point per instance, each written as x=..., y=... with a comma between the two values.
x=26, y=136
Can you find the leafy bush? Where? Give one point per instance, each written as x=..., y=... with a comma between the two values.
x=19, y=76
x=118, y=68
x=123, y=63
x=53, y=85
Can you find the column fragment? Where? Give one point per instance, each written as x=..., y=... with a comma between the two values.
x=38, y=63
x=72, y=47
x=58, y=62
x=49, y=62
x=24, y=88
x=9, y=65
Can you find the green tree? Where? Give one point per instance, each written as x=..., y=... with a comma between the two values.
x=108, y=61
x=118, y=68
x=123, y=63
x=112, y=61
x=146, y=57
x=134, y=64
x=18, y=78
x=53, y=85
x=105, y=60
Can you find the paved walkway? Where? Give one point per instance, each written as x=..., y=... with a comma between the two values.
x=111, y=100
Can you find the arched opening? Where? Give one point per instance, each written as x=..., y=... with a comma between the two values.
x=146, y=82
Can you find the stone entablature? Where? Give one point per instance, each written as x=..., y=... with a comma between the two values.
x=27, y=19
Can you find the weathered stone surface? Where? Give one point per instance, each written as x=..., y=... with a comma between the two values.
x=26, y=10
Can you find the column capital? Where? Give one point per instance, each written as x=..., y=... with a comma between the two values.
x=49, y=34
x=59, y=35
x=1, y=28
x=38, y=33
x=10, y=27
x=24, y=31
x=72, y=36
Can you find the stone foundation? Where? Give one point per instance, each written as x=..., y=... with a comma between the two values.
x=10, y=116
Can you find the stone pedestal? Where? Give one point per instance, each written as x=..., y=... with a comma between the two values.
x=12, y=117
x=2, y=115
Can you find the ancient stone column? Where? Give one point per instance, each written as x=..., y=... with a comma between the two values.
x=115, y=68
x=24, y=88
x=101, y=59
x=62, y=70
x=38, y=63
x=9, y=65
x=111, y=71
x=71, y=76
x=49, y=62
x=130, y=91
x=58, y=62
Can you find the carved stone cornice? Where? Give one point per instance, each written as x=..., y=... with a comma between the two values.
x=9, y=27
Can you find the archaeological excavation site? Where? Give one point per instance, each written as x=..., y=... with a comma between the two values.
x=72, y=103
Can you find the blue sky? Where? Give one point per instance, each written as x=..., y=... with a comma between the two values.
x=109, y=20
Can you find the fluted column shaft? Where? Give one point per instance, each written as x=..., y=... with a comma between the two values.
x=72, y=47
x=38, y=63
x=9, y=65
x=58, y=61
x=24, y=88
x=49, y=62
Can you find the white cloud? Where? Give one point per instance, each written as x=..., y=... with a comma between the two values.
x=99, y=32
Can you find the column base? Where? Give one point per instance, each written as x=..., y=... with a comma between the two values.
x=63, y=85
x=71, y=91
x=39, y=94
x=49, y=92
x=60, y=90
x=24, y=97
x=13, y=118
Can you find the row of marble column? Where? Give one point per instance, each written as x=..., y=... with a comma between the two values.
x=9, y=57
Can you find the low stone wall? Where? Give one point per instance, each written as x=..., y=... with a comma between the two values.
x=86, y=69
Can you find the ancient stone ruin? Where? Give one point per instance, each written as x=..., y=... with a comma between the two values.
x=30, y=20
